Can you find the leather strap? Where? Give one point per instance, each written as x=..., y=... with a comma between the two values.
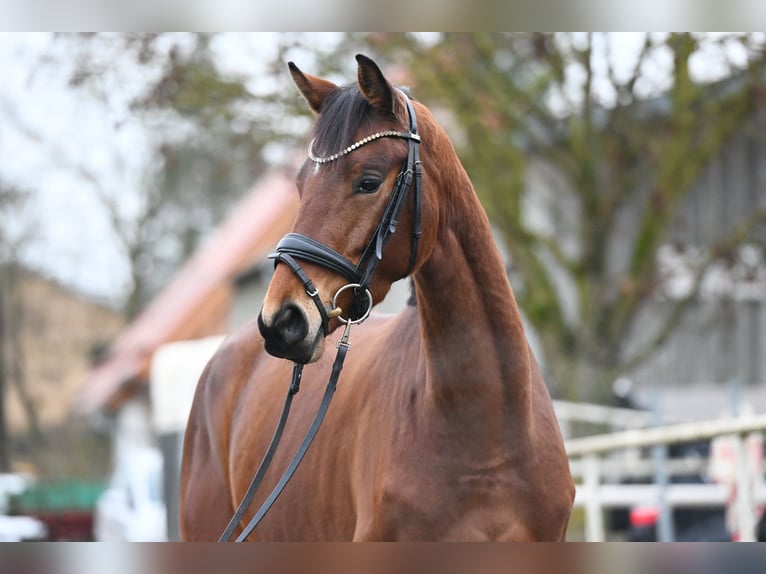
x=311, y=250
x=307, y=440
x=295, y=384
x=310, y=288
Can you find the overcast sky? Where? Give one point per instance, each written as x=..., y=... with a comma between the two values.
x=42, y=124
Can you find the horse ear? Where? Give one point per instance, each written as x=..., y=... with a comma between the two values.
x=314, y=89
x=374, y=86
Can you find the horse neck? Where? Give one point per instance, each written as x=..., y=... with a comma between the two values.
x=476, y=352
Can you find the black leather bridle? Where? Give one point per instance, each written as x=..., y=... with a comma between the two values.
x=294, y=247
x=297, y=246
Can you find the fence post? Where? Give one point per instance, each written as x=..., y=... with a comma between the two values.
x=745, y=503
x=665, y=526
x=594, y=518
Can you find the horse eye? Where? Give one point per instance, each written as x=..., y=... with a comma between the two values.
x=368, y=185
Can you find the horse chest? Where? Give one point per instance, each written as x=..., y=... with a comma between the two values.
x=447, y=516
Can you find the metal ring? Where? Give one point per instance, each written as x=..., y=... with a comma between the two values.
x=366, y=313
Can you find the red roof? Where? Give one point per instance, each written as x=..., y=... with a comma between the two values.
x=196, y=302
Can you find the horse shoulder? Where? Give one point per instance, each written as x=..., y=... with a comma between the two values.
x=205, y=503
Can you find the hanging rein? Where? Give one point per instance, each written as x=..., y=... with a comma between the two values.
x=294, y=247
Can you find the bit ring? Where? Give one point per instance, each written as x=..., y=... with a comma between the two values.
x=349, y=320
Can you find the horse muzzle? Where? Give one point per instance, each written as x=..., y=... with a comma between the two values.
x=288, y=334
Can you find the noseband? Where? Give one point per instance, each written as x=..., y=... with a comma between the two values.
x=295, y=246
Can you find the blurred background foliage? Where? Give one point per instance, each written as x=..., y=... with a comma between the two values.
x=617, y=137
x=612, y=136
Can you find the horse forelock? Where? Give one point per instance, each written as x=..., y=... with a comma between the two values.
x=344, y=113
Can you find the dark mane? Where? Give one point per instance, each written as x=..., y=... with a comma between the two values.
x=344, y=111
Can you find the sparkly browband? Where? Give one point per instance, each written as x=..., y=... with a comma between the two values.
x=360, y=143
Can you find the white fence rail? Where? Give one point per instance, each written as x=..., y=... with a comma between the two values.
x=586, y=455
x=567, y=411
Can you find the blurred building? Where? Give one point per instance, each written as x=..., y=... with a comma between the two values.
x=714, y=357
x=51, y=333
x=714, y=360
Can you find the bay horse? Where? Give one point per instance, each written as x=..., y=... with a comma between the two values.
x=442, y=427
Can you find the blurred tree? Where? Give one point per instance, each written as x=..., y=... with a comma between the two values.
x=609, y=140
x=13, y=233
x=4, y=460
x=206, y=129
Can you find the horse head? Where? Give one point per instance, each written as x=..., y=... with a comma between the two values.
x=360, y=183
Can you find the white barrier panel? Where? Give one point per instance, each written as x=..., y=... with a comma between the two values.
x=745, y=495
x=175, y=371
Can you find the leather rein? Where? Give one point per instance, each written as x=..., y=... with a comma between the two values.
x=295, y=247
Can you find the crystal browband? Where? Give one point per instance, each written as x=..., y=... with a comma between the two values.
x=360, y=143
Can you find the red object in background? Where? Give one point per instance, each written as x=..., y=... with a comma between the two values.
x=65, y=506
x=642, y=516
x=67, y=526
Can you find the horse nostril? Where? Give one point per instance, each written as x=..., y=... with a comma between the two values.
x=291, y=324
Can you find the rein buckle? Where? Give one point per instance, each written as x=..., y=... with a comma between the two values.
x=344, y=339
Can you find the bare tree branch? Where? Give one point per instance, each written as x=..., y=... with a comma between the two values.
x=740, y=235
